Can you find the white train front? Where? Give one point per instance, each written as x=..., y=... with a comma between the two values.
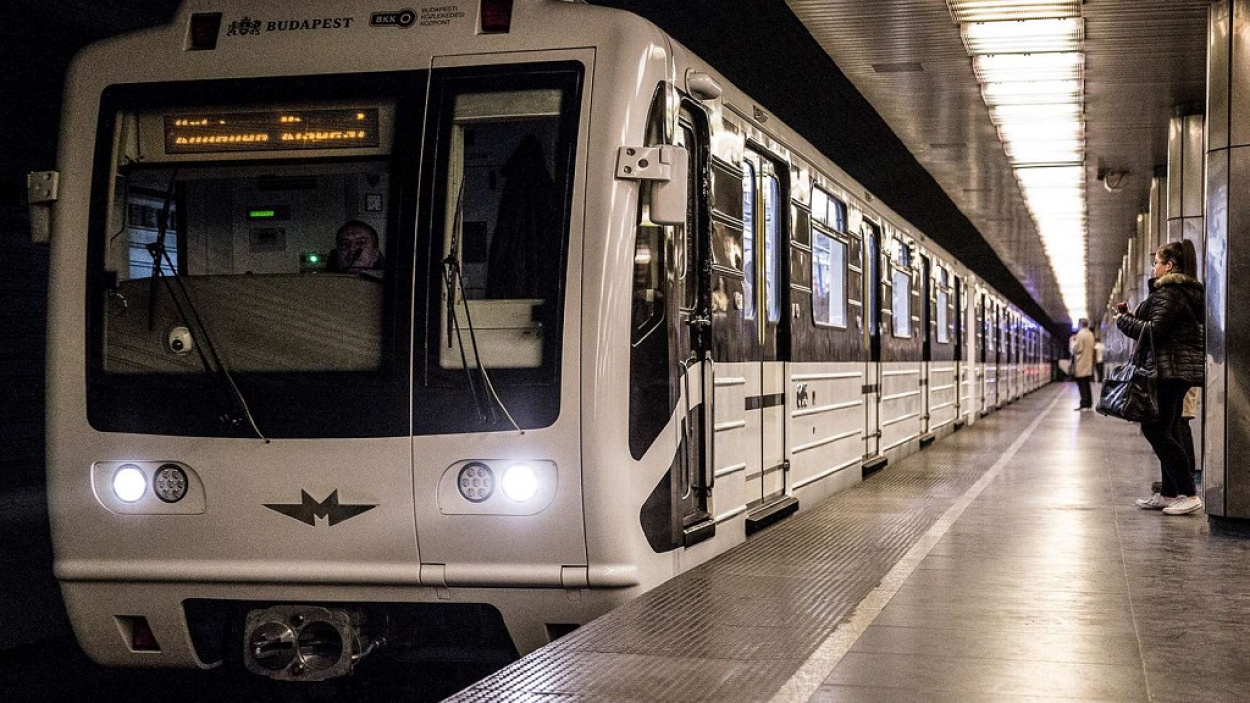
x=618, y=318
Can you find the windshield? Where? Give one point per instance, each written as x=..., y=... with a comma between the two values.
x=254, y=246
x=284, y=266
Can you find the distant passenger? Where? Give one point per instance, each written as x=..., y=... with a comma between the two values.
x=1100, y=351
x=1083, y=363
x=1175, y=312
x=356, y=249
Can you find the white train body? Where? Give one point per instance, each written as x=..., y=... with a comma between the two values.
x=659, y=423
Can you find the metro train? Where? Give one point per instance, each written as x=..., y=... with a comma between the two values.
x=622, y=317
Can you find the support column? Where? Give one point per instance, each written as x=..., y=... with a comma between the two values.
x=1185, y=201
x=1142, y=260
x=1226, y=474
x=1186, y=170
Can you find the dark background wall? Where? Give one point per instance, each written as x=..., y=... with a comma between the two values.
x=37, y=41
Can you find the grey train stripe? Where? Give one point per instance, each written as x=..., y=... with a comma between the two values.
x=757, y=402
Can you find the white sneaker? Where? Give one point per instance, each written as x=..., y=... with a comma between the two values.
x=1155, y=502
x=1184, y=505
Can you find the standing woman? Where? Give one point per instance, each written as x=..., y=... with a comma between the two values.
x=1175, y=313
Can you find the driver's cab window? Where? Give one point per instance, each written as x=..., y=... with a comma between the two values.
x=502, y=236
x=256, y=232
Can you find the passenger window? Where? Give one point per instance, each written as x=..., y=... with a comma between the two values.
x=502, y=235
x=828, y=210
x=943, y=317
x=901, y=303
x=837, y=215
x=772, y=248
x=820, y=205
x=748, y=240
x=828, y=280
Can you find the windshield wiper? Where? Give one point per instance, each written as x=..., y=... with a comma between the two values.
x=236, y=411
x=455, y=284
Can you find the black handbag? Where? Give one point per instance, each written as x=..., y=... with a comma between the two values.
x=1128, y=392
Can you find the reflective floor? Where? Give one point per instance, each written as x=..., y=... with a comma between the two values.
x=1005, y=563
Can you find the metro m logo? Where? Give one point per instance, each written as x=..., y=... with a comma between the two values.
x=308, y=510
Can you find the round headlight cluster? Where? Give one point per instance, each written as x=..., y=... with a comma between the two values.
x=476, y=482
x=129, y=483
x=169, y=483
x=520, y=483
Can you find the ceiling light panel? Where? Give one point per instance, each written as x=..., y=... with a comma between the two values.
x=1031, y=92
x=1036, y=112
x=1023, y=37
x=1002, y=68
x=989, y=10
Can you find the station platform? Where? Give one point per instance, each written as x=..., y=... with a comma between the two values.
x=1006, y=562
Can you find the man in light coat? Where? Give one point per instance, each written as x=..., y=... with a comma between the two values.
x=1083, y=363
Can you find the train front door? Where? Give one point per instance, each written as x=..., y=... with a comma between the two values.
x=691, y=301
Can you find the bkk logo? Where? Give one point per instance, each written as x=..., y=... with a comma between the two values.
x=393, y=18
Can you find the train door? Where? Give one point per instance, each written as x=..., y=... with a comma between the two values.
x=927, y=310
x=872, y=331
x=692, y=341
x=995, y=334
x=765, y=248
x=982, y=354
x=961, y=346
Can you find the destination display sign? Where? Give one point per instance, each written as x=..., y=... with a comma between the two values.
x=213, y=132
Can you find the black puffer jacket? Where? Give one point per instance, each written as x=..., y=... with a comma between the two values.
x=1175, y=310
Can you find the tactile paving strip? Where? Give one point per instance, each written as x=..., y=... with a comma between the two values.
x=739, y=626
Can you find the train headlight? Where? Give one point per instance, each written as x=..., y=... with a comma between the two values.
x=170, y=483
x=520, y=483
x=476, y=482
x=129, y=483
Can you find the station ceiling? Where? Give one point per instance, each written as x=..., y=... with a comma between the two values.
x=941, y=163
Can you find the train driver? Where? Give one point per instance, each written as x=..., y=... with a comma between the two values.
x=356, y=249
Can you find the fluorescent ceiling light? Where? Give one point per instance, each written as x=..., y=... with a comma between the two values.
x=1002, y=68
x=989, y=10
x=1022, y=37
x=1036, y=112
x=1044, y=154
x=1018, y=133
x=1026, y=92
x=1051, y=177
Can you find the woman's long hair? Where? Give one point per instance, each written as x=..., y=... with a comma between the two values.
x=1183, y=255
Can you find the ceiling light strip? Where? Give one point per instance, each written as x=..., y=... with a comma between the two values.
x=1027, y=57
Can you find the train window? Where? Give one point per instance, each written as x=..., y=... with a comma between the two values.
x=243, y=241
x=837, y=215
x=687, y=235
x=772, y=248
x=820, y=205
x=503, y=229
x=943, y=317
x=901, y=302
x=748, y=240
x=143, y=227
x=828, y=210
x=828, y=280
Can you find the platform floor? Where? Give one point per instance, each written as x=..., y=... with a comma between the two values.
x=1004, y=563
